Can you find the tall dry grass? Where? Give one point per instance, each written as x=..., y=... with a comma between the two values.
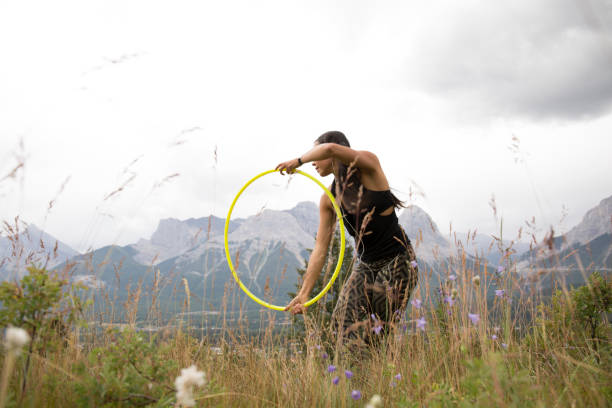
x=515, y=355
x=506, y=358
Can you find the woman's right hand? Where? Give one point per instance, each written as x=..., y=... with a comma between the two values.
x=296, y=306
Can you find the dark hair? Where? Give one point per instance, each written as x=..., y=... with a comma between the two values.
x=333, y=136
x=349, y=183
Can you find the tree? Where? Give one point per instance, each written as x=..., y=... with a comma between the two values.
x=44, y=304
x=593, y=302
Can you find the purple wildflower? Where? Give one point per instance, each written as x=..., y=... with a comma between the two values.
x=324, y=355
x=452, y=277
x=398, y=376
x=416, y=303
x=504, y=345
x=348, y=374
x=494, y=337
x=500, y=269
x=331, y=368
x=356, y=395
x=377, y=328
x=474, y=317
x=414, y=264
x=449, y=300
x=393, y=384
x=421, y=323
x=318, y=346
x=336, y=380
x=499, y=292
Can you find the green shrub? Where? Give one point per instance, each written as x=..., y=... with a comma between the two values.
x=131, y=371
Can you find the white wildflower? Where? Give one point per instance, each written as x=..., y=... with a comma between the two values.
x=15, y=338
x=375, y=402
x=189, y=378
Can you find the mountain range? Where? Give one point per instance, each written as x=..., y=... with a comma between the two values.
x=20, y=248
x=267, y=249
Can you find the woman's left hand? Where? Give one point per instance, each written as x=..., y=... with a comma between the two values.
x=288, y=166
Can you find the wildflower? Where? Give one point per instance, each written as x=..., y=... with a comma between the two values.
x=416, y=303
x=375, y=402
x=393, y=384
x=378, y=326
x=414, y=264
x=398, y=376
x=421, y=323
x=318, y=346
x=499, y=292
x=324, y=355
x=449, y=300
x=500, y=269
x=452, y=277
x=348, y=374
x=189, y=378
x=474, y=317
x=504, y=345
x=336, y=380
x=494, y=337
x=356, y=395
x=331, y=368
x=15, y=338
x=476, y=280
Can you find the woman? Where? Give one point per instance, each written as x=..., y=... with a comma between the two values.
x=380, y=284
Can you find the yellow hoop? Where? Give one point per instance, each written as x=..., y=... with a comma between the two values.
x=340, y=258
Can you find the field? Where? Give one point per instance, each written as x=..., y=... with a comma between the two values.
x=456, y=348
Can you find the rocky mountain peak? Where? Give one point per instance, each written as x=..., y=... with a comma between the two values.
x=35, y=245
x=426, y=239
x=597, y=221
x=306, y=214
x=171, y=238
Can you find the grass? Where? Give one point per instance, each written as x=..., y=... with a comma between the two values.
x=502, y=360
x=535, y=352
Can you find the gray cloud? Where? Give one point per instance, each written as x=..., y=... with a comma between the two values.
x=546, y=59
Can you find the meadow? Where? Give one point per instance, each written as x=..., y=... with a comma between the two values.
x=455, y=348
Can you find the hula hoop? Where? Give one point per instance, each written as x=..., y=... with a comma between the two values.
x=340, y=258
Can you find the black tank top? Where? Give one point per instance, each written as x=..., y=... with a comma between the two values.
x=376, y=236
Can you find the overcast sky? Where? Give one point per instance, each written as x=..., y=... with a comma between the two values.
x=127, y=112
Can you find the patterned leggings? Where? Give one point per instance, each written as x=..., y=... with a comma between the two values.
x=381, y=288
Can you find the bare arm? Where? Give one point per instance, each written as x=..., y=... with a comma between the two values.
x=327, y=222
x=364, y=160
x=372, y=175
